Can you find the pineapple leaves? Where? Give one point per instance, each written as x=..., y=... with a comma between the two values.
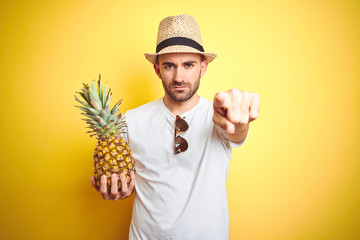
x=95, y=104
x=84, y=96
x=115, y=109
x=94, y=97
x=95, y=107
x=105, y=115
x=89, y=116
x=92, y=123
x=111, y=118
x=93, y=111
x=99, y=87
x=86, y=86
x=101, y=121
x=83, y=103
x=105, y=99
x=82, y=108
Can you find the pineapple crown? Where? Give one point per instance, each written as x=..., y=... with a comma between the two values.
x=102, y=121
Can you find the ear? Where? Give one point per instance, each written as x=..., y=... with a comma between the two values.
x=157, y=69
x=203, y=66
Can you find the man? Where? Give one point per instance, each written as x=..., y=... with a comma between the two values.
x=182, y=143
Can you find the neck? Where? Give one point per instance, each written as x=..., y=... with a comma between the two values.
x=178, y=108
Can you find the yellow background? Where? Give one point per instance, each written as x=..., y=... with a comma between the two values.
x=296, y=177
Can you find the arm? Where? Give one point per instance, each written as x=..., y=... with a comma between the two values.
x=233, y=111
x=114, y=194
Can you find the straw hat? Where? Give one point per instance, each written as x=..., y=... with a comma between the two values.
x=179, y=34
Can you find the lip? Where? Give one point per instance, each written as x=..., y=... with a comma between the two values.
x=179, y=87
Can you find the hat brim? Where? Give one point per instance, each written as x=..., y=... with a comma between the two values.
x=152, y=57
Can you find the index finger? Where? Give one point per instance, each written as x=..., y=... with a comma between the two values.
x=221, y=103
x=221, y=100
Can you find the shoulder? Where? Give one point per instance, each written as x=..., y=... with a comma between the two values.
x=205, y=106
x=138, y=118
x=145, y=109
x=205, y=102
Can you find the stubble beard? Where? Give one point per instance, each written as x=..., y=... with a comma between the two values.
x=182, y=95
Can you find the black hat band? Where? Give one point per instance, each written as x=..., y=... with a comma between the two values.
x=179, y=41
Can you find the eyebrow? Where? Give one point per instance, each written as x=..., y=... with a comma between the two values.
x=191, y=61
x=167, y=63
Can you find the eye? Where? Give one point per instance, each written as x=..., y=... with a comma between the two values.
x=189, y=65
x=168, y=66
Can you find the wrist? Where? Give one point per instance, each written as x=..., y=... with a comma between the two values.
x=240, y=133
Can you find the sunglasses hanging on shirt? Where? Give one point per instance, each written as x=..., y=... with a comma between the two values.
x=180, y=144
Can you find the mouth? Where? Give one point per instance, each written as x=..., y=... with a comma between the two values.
x=179, y=87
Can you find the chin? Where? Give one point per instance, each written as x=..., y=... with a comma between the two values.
x=181, y=97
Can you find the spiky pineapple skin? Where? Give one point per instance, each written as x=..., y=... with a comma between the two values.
x=112, y=155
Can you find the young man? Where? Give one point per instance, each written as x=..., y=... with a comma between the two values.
x=182, y=143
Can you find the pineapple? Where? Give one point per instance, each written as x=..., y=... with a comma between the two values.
x=112, y=153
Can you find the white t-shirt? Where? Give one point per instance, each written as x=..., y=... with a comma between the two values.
x=179, y=196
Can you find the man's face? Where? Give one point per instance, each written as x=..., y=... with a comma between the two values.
x=180, y=74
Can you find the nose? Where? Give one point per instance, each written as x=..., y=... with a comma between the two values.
x=179, y=75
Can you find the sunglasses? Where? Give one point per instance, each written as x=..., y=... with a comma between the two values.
x=180, y=144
